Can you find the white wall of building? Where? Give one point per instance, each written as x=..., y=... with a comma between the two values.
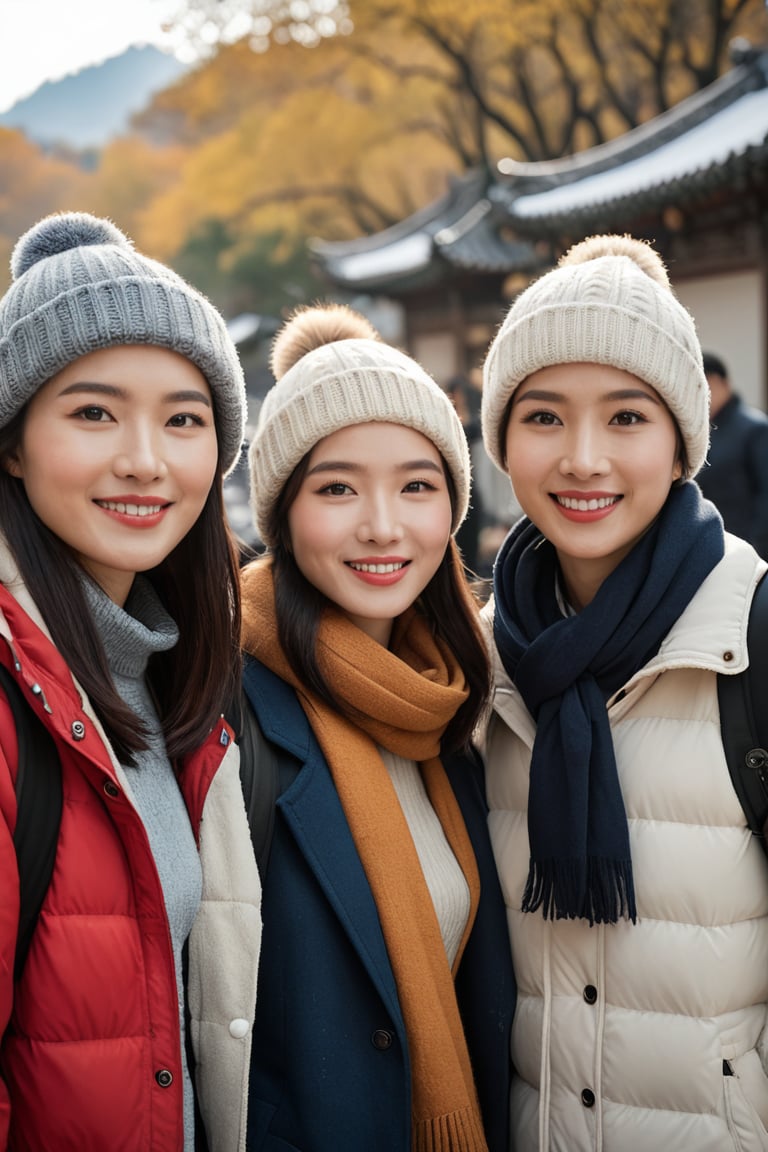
x=436, y=351
x=729, y=311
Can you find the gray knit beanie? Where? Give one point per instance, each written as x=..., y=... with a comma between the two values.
x=78, y=286
x=351, y=380
x=609, y=301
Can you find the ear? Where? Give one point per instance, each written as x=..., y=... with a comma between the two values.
x=677, y=471
x=12, y=466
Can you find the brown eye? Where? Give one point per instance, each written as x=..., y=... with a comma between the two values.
x=628, y=419
x=185, y=420
x=93, y=413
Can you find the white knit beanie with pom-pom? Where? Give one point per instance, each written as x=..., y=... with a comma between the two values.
x=332, y=371
x=608, y=301
x=79, y=285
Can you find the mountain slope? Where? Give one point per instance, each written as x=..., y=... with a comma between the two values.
x=87, y=109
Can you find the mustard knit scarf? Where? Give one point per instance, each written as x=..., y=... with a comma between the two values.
x=401, y=698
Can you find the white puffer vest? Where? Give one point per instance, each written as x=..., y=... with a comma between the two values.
x=648, y=1037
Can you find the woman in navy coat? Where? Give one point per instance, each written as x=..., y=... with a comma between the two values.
x=385, y=991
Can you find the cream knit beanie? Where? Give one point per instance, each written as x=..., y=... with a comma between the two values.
x=609, y=301
x=341, y=374
x=79, y=285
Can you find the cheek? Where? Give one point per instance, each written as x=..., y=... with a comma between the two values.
x=42, y=454
x=310, y=545
x=308, y=531
x=199, y=467
x=53, y=475
x=520, y=461
x=435, y=528
x=667, y=455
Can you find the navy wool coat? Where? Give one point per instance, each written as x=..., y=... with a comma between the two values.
x=330, y=1069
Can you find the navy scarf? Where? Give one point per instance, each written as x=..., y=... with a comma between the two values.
x=566, y=668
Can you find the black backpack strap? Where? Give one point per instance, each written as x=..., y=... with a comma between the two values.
x=259, y=777
x=39, y=804
x=744, y=719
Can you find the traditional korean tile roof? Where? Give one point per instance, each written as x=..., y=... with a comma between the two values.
x=712, y=139
x=716, y=138
x=460, y=230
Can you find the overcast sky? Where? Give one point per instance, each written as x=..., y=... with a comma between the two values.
x=46, y=39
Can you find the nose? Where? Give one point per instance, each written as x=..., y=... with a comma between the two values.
x=584, y=452
x=380, y=523
x=138, y=456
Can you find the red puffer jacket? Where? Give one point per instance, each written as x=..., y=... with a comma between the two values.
x=90, y=1054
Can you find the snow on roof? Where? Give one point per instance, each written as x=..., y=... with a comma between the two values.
x=730, y=132
x=408, y=254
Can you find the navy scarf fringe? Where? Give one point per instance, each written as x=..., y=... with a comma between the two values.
x=600, y=891
x=565, y=668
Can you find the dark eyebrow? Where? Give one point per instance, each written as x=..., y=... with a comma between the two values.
x=542, y=395
x=345, y=466
x=633, y=394
x=92, y=387
x=419, y=465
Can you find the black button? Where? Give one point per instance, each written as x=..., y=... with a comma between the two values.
x=111, y=789
x=382, y=1039
x=164, y=1078
x=590, y=993
x=588, y=1098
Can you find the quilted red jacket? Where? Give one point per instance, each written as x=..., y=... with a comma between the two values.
x=90, y=1055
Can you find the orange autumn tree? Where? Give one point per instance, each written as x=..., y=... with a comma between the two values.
x=32, y=184
x=534, y=77
x=311, y=142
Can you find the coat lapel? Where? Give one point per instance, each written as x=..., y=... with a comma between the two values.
x=312, y=811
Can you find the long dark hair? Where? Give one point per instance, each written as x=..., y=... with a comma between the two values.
x=447, y=603
x=198, y=584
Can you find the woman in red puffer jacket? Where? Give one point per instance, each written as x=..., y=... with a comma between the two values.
x=121, y=408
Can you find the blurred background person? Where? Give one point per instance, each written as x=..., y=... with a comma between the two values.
x=735, y=477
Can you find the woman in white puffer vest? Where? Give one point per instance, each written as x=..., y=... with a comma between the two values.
x=637, y=897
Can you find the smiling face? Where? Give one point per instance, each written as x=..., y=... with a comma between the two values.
x=371, y=522
x=117, y=455
x=592, y=452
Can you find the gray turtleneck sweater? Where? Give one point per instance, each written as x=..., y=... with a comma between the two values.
x=130, y=636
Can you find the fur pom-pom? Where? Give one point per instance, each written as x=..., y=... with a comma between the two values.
x=646, y=257
x=60, y=233
x=313, y=326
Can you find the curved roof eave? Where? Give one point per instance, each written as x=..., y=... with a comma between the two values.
x=694, y=110
x=734, y=137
